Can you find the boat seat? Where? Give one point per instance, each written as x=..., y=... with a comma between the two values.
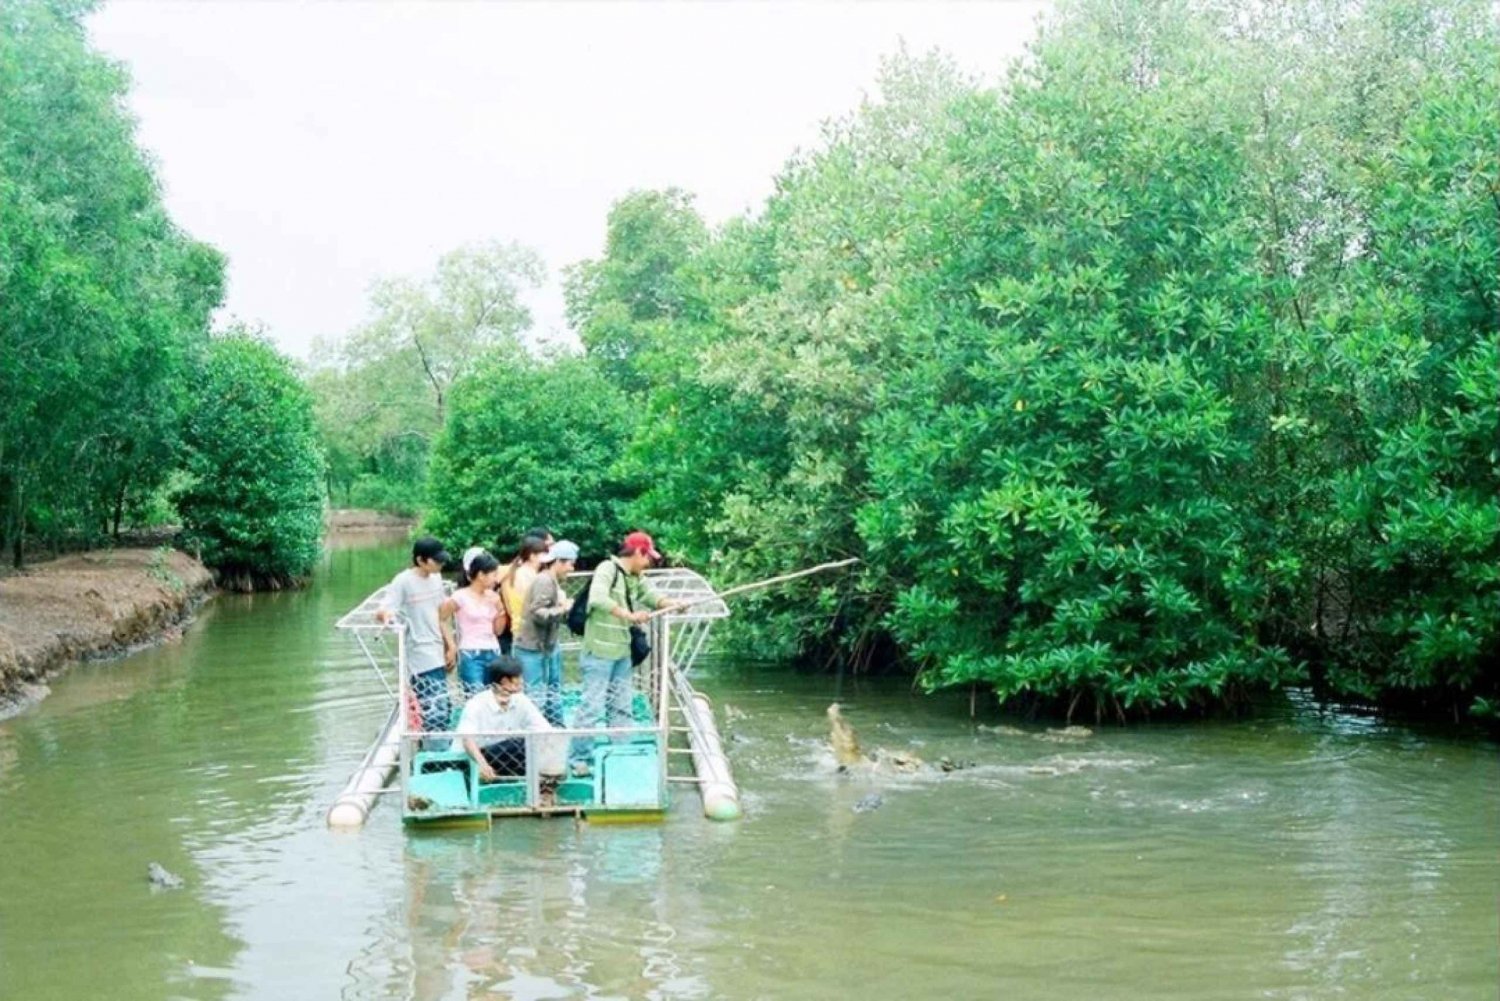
x=444, y=790
x=440, y=761
x=628, y=774
x=506, y=792
x=575, y=792
x=445, y=777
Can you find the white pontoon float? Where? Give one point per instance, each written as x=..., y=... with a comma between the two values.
x=631, y=764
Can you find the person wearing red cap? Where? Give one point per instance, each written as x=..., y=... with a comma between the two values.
x=619, y=597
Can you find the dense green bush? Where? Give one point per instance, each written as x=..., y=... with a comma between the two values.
x=1407, y=388
x=1062, y=471
x=531, y=443
x=388, y=491
x=1148, y=379
x=253, y=505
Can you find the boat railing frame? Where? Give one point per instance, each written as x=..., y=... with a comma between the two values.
x=650, y=677
x=677, y=638
x=532, y=776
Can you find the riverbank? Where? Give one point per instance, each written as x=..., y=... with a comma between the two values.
x=351, y=520
x=89, y=605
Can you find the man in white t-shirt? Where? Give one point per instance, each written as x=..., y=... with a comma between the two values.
x=413, y=599
x=504, y=708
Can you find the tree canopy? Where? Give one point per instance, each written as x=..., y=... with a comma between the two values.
x=252, y=502
x=1162, y=373
x=382, y=395
x=116, y=399
x=103, y=301
x=531, y=443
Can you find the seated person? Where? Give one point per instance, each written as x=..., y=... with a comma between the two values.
x=502, y=706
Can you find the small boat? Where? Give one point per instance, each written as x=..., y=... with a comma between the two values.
x=670, y=739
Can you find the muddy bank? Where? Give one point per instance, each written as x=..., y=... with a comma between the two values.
x=88, y=605
x=340, y=520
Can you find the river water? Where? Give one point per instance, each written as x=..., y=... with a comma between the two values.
x=1302, y=854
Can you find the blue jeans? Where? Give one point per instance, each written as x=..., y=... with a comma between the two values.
x=507, y=757
x=431, y=690
x=605, y=683
x=472, y=665
x=542, y=673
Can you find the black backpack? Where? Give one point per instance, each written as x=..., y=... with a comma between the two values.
x=578, y=615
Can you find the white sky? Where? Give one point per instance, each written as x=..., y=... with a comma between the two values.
x=323, y=145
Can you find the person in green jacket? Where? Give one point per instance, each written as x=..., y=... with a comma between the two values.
x=619, y=597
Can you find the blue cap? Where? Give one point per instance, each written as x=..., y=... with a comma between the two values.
x=561, y=550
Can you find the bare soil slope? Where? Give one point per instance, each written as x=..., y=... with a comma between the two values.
x=89, y=605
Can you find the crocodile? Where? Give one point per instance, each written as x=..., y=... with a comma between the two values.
x=847, y=752
x=161, y=879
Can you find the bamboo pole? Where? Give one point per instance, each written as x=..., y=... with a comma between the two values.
x=820, y=568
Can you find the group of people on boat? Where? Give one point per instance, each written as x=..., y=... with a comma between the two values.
x=500, y=631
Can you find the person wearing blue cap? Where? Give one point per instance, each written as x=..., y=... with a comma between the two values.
x=538, y=642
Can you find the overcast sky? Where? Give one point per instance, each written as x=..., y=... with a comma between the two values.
x=323, y=145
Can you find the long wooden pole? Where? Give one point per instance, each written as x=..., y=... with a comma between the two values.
x=741, y=589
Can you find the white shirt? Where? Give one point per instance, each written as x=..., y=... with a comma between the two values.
x=417, y=597
x=482, y=715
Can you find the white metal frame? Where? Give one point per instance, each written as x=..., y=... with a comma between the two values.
x=677, y=638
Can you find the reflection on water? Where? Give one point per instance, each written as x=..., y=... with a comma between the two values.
x=535, y=910
x=1302, y=854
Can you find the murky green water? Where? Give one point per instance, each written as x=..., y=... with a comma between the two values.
x=1301, y=855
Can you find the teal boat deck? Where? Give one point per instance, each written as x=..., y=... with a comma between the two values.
x=625, y=776
x=628, y=776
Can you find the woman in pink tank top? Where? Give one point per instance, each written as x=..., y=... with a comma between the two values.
x=476, y=608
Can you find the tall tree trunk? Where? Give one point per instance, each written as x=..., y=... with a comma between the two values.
x=15, y=522
x=119, y=512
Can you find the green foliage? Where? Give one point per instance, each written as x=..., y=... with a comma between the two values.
x=1408, y=360
x=758, y=395
x=392, y=493
x=1141, y=381
x=102, y=300
x=376, y=423
x=1064, y=473
x=436, y=331
x=254, y=503
x=381, y=397
x=1165, y=371
x=621, y=305
x=532, y=443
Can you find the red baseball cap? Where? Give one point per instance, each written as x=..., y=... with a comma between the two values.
x=640, y=542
